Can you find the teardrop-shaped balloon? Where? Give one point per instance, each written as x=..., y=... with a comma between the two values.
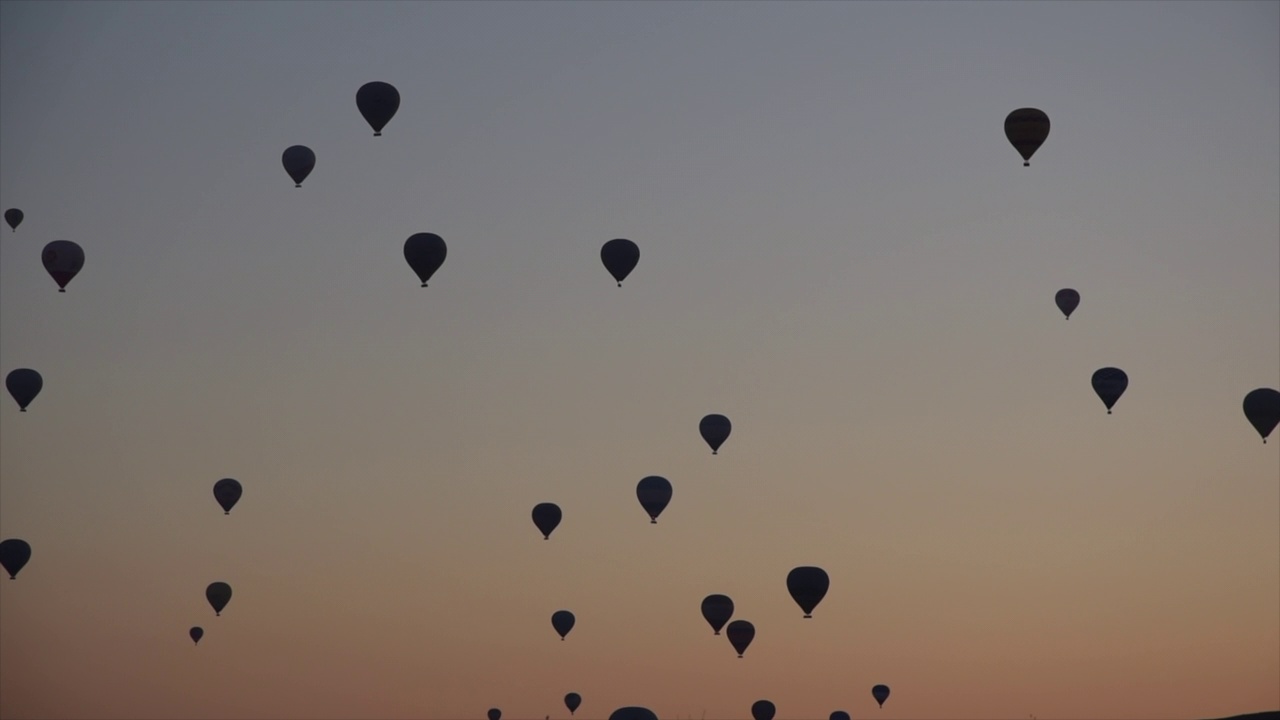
x=546, y=516
x=763, y=710
x=24, y=384
x=620, y=257
x=13, y=216
x=808, y=585
x=298, y=161
x=495, y=714
x=1068, y=300
x=218, y=594
x=227, y=492
x=1110, y=383
x=839, y=715
x=425, y=253
x=14, y=554
x=1026, y=129
x=740, y=634
x=654, y=493
x=572, y=701
x=1262, y=409
x=880, y=693
x=562, y=621
x=633, y=713
x=716, y=610
x=62, y=260
x=715, y=430
x=378, y=103
x=196, y=633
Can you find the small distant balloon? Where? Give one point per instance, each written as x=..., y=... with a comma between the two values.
x=14, y=554
x=546, y=516
x=13, y=216
x=1026, y=129
x=378, y=102
x=24, y=384
x=63, y=260
x=227, y=492
x=880, y=693
x=839, y=715
x=196, y=633
x=633, y=713
x=740, y=634
x=716, y=610
x=298, y=161
x=218, y=594
x=572, y=701
x=763, y=710
x=654, y=493
x=1068, y=300
x=495, y=714
x=715, y=430
x=620, y=257
x=1262, y=409
x=425, y=253
x=808, y=585
x=563, y=621
x=1110, y=383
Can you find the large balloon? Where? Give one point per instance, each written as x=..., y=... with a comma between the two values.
x=839, y=715
x=1262, y=408
x=620, y=257
x=14, y=554
x=1110, y=384
x=218, y=594
x=546, y=516
x=425, y=253
x=808, y=585
x=633, y=713
x=572, y=701
x=562, y=621
x=740, y=634
x=378, y=102
x=62, y=260
x=196, y=633
x=227, y=492
x=880, y=693
x=495, y=714
x=715, y=430
x=298, y=161
x=654, y=493
x=24, y=385
x=763, y=710
x=1026, y=128
x=13, y=216
x=717, y=609
x=1067, y=300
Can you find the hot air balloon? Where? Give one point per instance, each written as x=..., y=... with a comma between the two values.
x=1262, y=408
x=572, y=701
x=1026, y=128
x=495, y=714
x=740, y=634
x=1067, y=300
x=62, y=260
x=633, y=713
x=717, y=609
x=880, y=693
x=196, y=633
x=654, y=493
x=425, y=253
x=808, y=585
x=620, y=257
x=24, y=385
x=763, y=710
x=13, y=216
x=218, y=594
x=378, y=102
x=839, y=715
x=715, y=430
x=298, y=161
x=546, y=516
x=562, y=621
x=227, y=492
x=1110, y=384
x=14, y=554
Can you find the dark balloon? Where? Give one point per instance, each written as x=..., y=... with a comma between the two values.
x=1110, y=383
x=378, y=102
x=218, y=594
x=839, y=715
x=1027, y=129
x=654, y=493
x=880, y=693
x=1067, y=300
x=572, y=701
x=763, y=710
x=14, y=554
x=299, y=161
x=13, y=216
x=24, y=385
x=546, y=516
x=562, y=621
x=495, y=714
x=740, y=634
x=1262, y=408
x=620, y=257
x=715, y=430
x=196, y=633
x=425, y=253
x=808, y=585
x=62, y=260
x=717, y=609
x=227, y=492
x=633, y=713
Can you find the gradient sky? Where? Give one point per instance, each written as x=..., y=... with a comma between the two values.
x=839, y=250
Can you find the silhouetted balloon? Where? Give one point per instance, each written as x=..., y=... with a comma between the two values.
x=562, y=621
x=633, y=713
x=227, y=492
x=62, y=260
x=378, y=102
x=717, y=609
x=808, y=585
x=24, y=385
x=1067, y=300
x=1110, y=384
x=1262, y=408
x=620, y=257
x=572, y=701
x=14, y=554
x=715, y=430
x=763, y=710
x=298, y=161
x=839, y=715
x=13, y=216
x=218, y=594
x=426, y=253
x=654, y=493
x=880, y=693
x=196, y=633
x=1026, y=128
x=740, y=634
x=546, y=516
x=495, y=714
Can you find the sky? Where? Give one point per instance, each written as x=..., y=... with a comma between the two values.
x=839, y=250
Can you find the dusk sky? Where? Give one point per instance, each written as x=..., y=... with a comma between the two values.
x=839, y=250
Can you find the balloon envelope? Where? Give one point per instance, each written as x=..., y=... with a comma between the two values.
x=495, y=714
x=13, y=216
x=562, y=621
x=839, y=715
x=298, y=161
x=24, y=385
x=740, y=634
x=654, y=493
x=620, y=257
x=572, y=701
x=218, y=594
x=763, y=710
x=62, y=260
x=378, y=102
x=196, y=633
x=808, y=585
x=546, y=516
x=1068, y=300
x=1027, y=129
x=227, y=492
x=633, y=713
x=1110, y=383
x=1262, y=409
x=425, y=253
x=880, y=693
x=717, y=609
x=14, y=554
x=715, y=430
